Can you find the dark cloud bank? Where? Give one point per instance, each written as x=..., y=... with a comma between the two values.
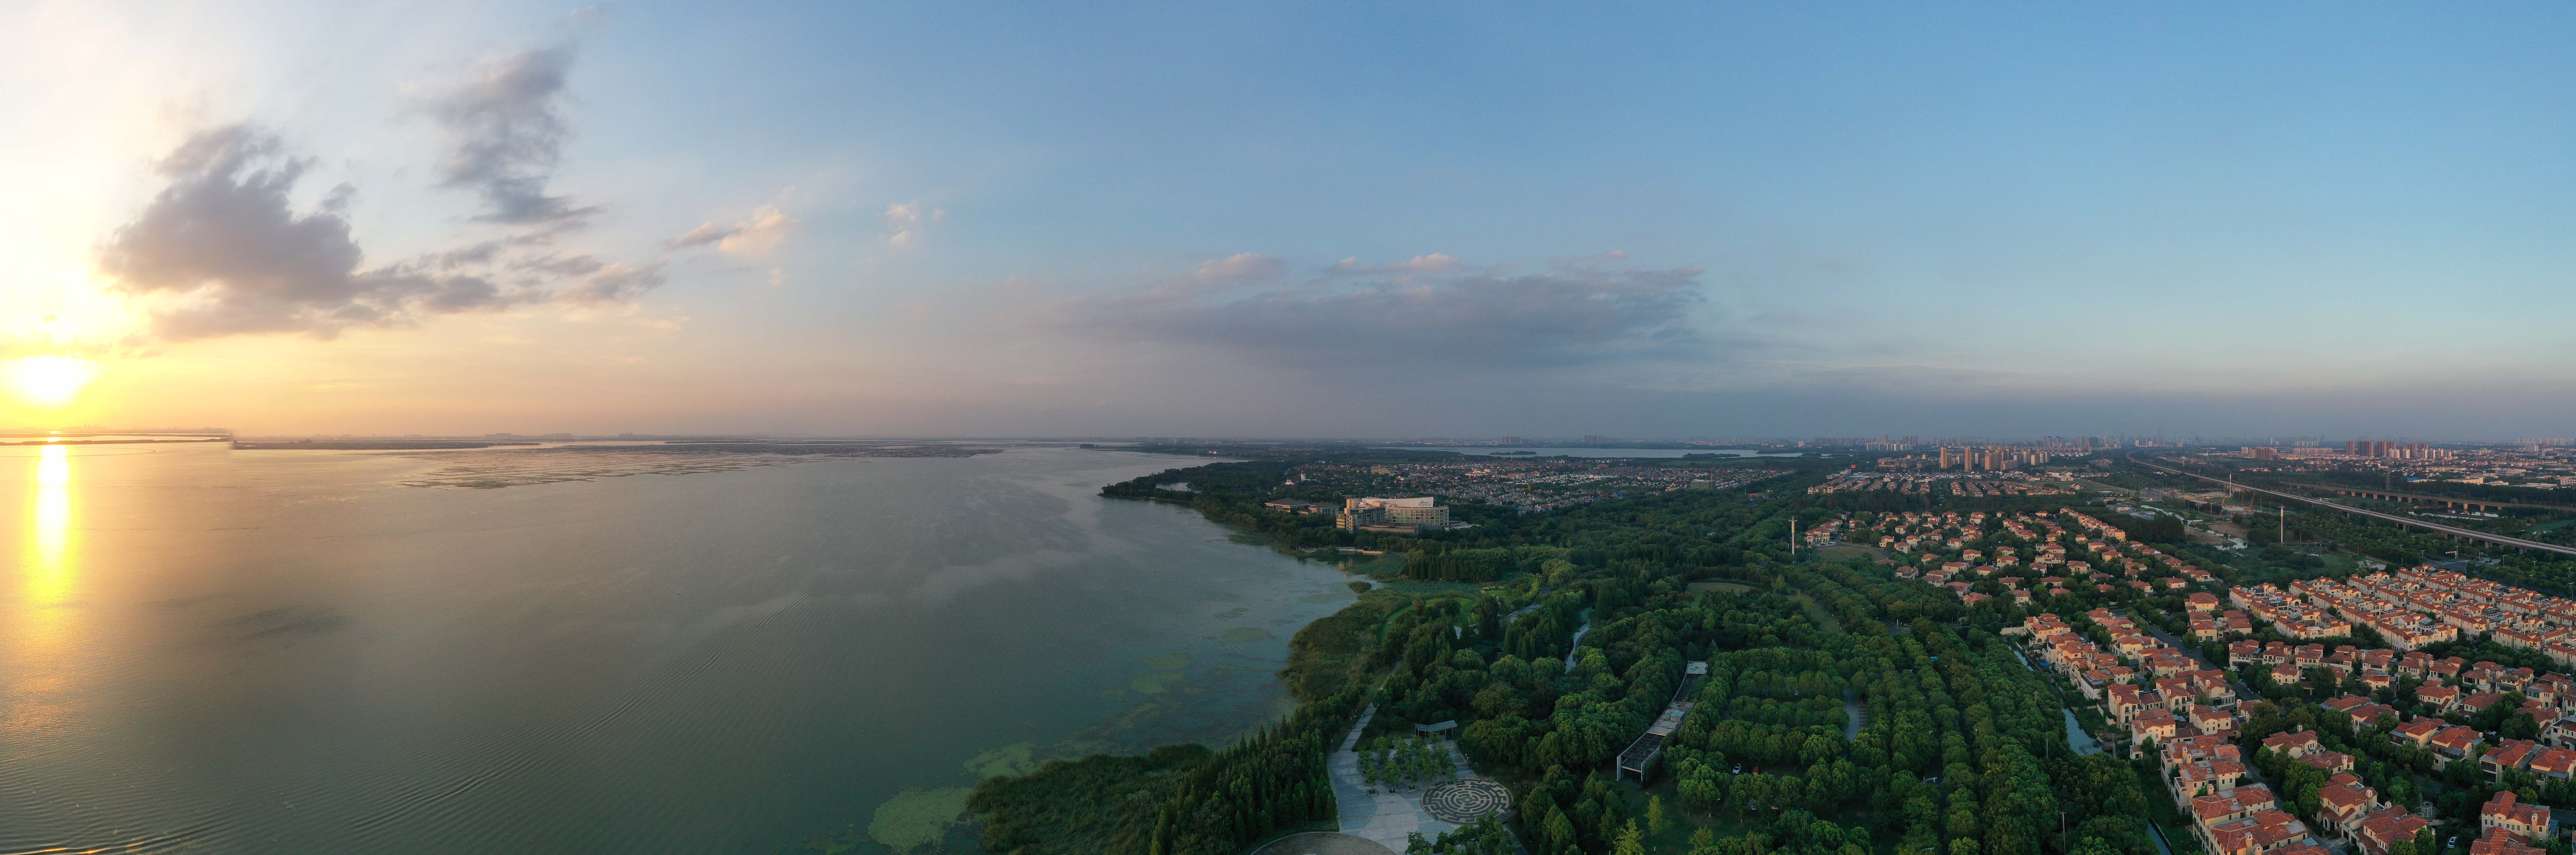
x=1435, y=313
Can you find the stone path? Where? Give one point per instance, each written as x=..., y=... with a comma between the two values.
x=1462, y=801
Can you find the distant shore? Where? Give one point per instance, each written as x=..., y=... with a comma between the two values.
x=364, y=444
x=109, y=441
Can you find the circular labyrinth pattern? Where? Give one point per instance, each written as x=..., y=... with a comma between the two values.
x=1465, y=800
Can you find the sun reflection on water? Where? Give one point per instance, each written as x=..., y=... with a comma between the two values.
x=49, y=575
x=49, y=539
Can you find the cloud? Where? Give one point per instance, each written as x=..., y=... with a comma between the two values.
x=505, y=136
x=1241, y=267
x=1431, y=311
x=614, y=283
x=558, y=265
x=221, y=251
x=752, y=238
x=1432, y=263
x=903, y=222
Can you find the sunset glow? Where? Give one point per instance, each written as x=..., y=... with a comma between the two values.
x=48, y=381
x=1664, y=428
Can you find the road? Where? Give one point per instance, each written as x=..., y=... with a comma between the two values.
x=2467, y=534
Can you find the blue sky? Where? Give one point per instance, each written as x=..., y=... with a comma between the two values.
x=1683, y=220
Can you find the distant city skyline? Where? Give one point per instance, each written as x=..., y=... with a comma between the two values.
x=1353, y=220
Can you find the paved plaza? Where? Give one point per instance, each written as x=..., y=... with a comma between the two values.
x=1387, y=815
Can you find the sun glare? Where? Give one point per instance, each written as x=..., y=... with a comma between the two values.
x=48, y=381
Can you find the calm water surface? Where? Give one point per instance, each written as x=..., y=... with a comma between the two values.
x=227, y=651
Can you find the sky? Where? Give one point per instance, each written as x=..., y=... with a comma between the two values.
x=1290, y=220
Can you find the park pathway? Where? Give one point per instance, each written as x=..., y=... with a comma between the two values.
x=1380, y=813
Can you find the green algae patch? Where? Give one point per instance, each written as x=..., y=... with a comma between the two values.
x=1018, y=758
x=1155, y=683
x=1169, y=662
x=917, y=818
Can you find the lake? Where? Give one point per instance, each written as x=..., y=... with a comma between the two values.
x=1551, y=451
x=287, y=651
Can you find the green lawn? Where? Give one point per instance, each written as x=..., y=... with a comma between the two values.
x=1816, y=612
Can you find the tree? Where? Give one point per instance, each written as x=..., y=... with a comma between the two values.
x=1656, y=818
x=1630, y=842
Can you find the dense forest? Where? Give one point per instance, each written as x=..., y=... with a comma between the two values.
x=1845, y=710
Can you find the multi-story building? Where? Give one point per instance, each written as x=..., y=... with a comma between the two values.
x=2527, y=823
x=1414, y=513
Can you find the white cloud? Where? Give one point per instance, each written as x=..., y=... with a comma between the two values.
x=904, y=221
x=755, y=237
x=1240, y=267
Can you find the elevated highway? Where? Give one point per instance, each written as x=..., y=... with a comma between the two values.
x=2409, y=522
x=2446, y=501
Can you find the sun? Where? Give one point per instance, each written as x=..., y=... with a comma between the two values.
x=48, y=381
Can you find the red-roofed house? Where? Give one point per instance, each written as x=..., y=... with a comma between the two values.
x=2299, y=744
x=2513, y=754
x=2524, y=822
x=2263, y=831
x=2557, y=763
x=2330, y=761
x=2232, y=804
x=2420, y=731
x=2499, y=843
x=2385, y=826
x=2456, y=742
x=2212, y=721
x=2342, y=805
